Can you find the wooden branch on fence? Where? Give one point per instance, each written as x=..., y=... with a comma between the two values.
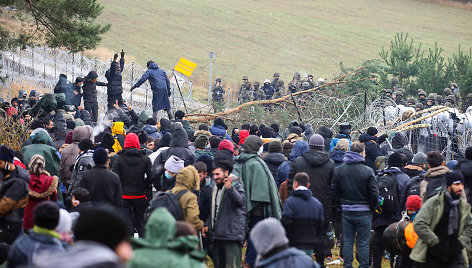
x=420, y=119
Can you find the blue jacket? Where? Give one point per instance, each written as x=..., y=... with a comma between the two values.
x=25, y=249
x=160, y=86
x=152, y=131
x=335, y=141
x=337, y=157
x=372, y=149
x=290, y=257
x=220, y=132
x=284, y=169
x=303, y=219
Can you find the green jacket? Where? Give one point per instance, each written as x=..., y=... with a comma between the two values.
x=429, y=217
x=258, y=182
x=159, y=248
x=40, y=146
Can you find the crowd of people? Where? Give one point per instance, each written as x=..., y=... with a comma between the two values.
x=137, y=192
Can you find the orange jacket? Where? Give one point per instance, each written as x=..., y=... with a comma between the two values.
x=410, y=235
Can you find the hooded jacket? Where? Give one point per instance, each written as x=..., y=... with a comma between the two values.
x=319, y=168
x=354, y=183
x=372, y=149
x=303, y=219
x=399, y=143
x=219, y=131
x=83, y=163
x=327, y=134
x=259, y=185
x=103, y=185
x=188, y=179
x=14, y=196
x=160, y=86
x=436, y=173
x=337, y=156
x=41, y=188
x=41, y=146
x=118, y=132
x=70, y=153
x=113, y=75
x=160, y=248
x=131, y=165
x=61, y=84
x=273, y=162
x=290, y=257
x=90, y=89
x=308, y=132
x=428, y=218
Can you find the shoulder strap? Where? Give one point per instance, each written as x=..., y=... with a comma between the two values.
x=180, y=194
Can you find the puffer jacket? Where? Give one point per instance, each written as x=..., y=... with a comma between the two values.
x=229, y=223
x=41, y=146
x=219, y=131
x=372, y=149
x=131, y=165
x=273, y=162
x=14, y=196
x=160, y=248
x=188, y=179
x=83, y=163
x=89, y=88
x=114, y=78
x=70, y=153
x=337, y=156
x=61, y=84
x=319, y=168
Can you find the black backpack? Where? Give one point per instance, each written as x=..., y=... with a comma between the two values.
x=435, y=185
x=415, y=187
x=388, y=189
x=166, y=200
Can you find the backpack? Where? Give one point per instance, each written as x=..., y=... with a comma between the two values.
x=415, y=187
x=166, y=200
x=388, y=189
x=435, y=185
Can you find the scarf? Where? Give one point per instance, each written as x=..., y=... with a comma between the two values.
x=41, y=230
x=453, y=213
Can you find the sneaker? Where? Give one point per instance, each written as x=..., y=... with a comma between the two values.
x=340, y=259
x=329, y=259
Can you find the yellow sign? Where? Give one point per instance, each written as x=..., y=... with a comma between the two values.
x=185, y=67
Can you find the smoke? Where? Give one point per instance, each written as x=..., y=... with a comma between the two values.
x=104, y=121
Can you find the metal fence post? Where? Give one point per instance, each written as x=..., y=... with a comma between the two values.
x=44, y=62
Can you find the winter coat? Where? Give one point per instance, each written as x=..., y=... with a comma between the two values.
x=25, y=251
x=103, y=185
x=327, y=135
x=309, y=132
x=413, y=171
x=131, y=165
x=178, y=147
x=41, y=188
x=89, y=89
x=399, y=143
x=71, y=98
x=465, y=167
x=337, y=157
x=283, y=171
x=114, y=78
x=290, y=257
x=41, y=146
x=14, y=196
x=428, y=218
x=386, y=219
x=436, y=173
x=160, y=248
x=61, y=84
x=151, y=131
x=83, y=254
x=188, y=179
x=70, y=153
x=273, y=162
x=29, y=141
x=229, y=222
x=334, y=141
x=372, y=149
x=187, y=127
x=160, y=87
x=83, y=163
x=319, y=168
x=204, y=198
x=354, y=183
x=219, y=131
x=303, y=219
x=259, y=185
x=86, y=117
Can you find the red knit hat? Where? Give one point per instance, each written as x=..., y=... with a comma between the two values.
x=413, y=202
x=243, y=134
x=132, y=141
x=226, y=145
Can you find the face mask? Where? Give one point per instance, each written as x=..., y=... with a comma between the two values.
x=168, y=176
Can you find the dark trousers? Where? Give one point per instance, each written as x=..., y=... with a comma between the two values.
x=92, y=108
x=435, y=262
x=251, y=253
x=378, y=247
x=112, y=100
x=232, y=252
x=338, y=228
x=356, y=223
x=9, y=231
x=320, y=249
x=135, y=209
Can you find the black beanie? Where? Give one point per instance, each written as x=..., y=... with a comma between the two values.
x=275, y=127
x=46, y=215
x=103, y=225
x=6, y=154
x=372, y=131
x=252, y=144
x=179, y=114
x=100, y=156
x=151, y=121
x=296, y=130
x=453, y=178
x=85, y=145
x=396, y=160
x=70, y=124
x=265, y=132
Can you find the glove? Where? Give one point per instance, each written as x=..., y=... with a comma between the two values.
x=115, y=56
x=169, y=93
x=122, y=53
